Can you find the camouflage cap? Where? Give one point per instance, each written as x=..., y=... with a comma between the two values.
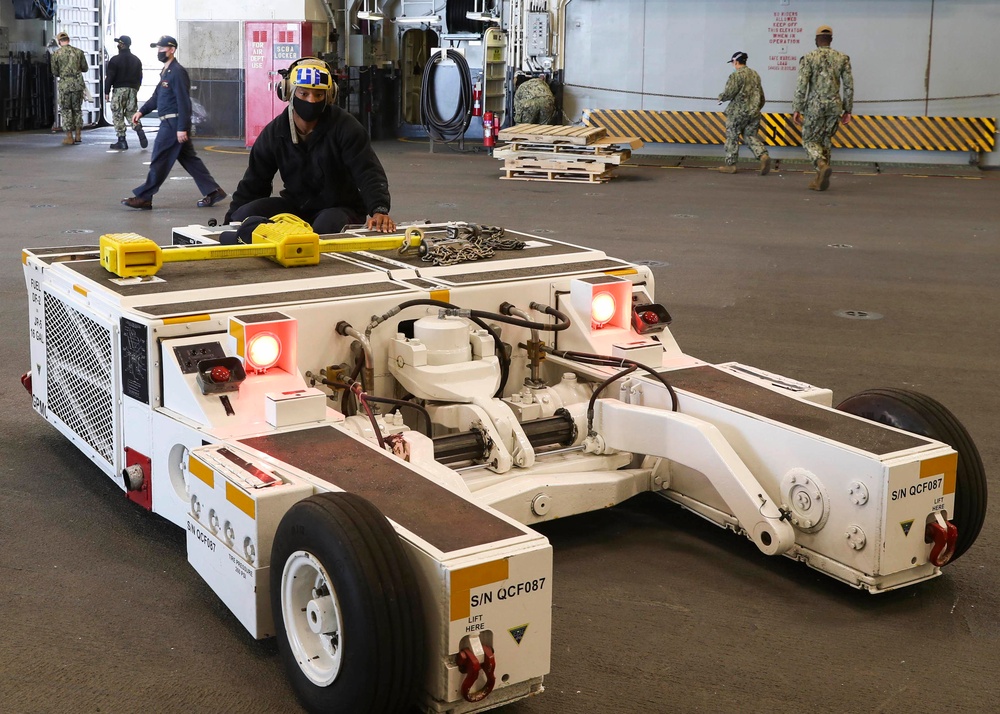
x=824, y=30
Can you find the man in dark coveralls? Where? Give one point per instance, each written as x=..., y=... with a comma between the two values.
x=172, y=99
x=124, y=77
x=330, y=172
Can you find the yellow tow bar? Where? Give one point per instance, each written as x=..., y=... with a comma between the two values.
x=288, y=241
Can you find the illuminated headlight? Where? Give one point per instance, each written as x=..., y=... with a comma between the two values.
x=263, y=350
x=603, y=308
x=605, y=298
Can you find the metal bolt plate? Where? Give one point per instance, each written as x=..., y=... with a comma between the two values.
x=855, y=537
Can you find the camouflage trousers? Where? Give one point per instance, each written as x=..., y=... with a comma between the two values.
x=123, y=106
x=748, y=125
x=534, y=111
x=71, y=108
x=817, y=135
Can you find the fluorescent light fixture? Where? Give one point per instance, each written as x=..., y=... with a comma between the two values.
x=370, y=13
x=479, y=12
x=418, y=20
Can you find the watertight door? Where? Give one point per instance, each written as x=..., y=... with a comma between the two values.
x=81, y=20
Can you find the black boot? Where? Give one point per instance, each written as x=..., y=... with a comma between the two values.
x=120, y=144
x=143, y=141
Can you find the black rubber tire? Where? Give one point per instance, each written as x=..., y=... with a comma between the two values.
x=919, y=414
x=376, y=587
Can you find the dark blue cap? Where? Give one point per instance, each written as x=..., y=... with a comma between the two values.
x=164, y=41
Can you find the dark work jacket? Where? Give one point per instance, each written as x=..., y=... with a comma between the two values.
x=335, y=166
x=172, y=96
x=124, y=70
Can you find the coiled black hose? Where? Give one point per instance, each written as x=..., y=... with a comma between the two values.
x=456, y=12
x=454, y=128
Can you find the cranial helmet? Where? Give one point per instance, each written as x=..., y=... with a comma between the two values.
x=307, y=72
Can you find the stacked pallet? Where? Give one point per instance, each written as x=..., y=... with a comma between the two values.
x=573, y=154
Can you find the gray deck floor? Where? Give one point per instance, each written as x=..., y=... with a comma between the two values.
x=655, y=610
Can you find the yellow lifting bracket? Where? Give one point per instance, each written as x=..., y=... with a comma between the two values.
x=288, y=241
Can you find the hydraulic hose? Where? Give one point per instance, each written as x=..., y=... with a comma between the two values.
x=425, y=415
x=607, y=361
x=454, y=128
x=344, y=328
x=427, y=429
x=600, y=388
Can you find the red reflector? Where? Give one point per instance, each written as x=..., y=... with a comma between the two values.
x=26, y=381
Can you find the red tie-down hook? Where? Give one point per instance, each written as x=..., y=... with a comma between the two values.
x=470, y=666
x=943, y=535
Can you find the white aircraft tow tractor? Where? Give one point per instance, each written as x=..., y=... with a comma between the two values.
x=358, y=431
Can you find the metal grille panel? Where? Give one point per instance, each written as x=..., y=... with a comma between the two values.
x=79, y=375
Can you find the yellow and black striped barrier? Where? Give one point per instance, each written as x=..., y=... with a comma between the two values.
x=976, y=134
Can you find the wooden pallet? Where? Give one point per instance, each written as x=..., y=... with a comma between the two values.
x=555, y=176
x=633, y=142
x=588, y=150
x=548, y=134
x=552, y=153
x=581, y=166
x=540, y=152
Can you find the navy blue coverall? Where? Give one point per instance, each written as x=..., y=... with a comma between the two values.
x=172, y=100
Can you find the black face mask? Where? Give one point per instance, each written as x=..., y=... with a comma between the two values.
x=308, y=111
x=162, y=56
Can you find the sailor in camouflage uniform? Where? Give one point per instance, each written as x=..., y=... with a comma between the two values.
x=68, y=65
x=534, y=102
x=746, y=97
x=818, y=105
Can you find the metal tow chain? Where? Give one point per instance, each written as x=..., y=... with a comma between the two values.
x=466, y=242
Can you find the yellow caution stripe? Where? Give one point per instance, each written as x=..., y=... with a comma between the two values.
x=201, y=471
x=185, y=318
x=944, y=466
x=465, y=579
x=241, y=500
x=777, y=129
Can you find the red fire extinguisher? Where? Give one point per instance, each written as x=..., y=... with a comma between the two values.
x=477, y=98
x=489, y=140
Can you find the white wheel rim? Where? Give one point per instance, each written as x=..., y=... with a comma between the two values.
x=313, y=621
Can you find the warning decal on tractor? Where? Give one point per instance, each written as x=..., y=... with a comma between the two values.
x=518, y=632
x=906, y=525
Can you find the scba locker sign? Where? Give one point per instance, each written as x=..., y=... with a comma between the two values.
x=270, y=47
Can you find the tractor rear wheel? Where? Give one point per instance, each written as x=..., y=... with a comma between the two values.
x=346, y=607
x=923, y=415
